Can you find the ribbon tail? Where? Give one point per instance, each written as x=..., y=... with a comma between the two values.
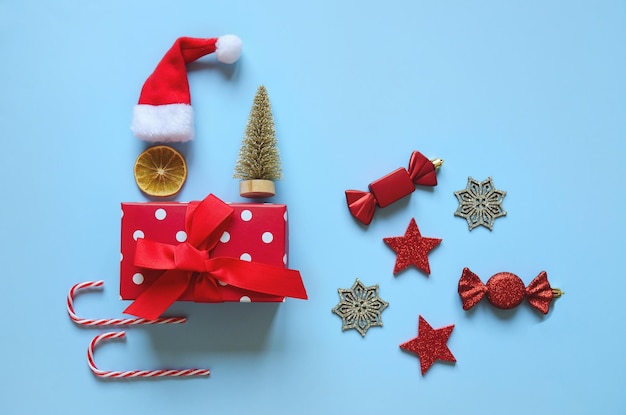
x=421, y=170
x=362, y=205
x=539, y=293
x=254, y=276
x=471, y=289
x=160, y=295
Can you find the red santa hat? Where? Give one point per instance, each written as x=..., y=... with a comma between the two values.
x=164, y=112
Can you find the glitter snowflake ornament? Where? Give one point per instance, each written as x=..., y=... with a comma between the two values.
x=480, y=203
x=360, y=307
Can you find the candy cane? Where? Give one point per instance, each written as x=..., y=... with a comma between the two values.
x=135, y=373
x=110, y=321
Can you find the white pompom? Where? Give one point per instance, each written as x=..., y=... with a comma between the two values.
x=228, y=48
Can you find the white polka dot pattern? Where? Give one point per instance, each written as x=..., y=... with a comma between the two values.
x=245, y=299
x=246, y=215
x=245, y=257
x=160, y=214
x=138, y=278
x=225, y=237
x=267, y=237
x=138, y=235
x=181, y=236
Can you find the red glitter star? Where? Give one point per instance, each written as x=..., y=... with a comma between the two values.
x=430, y=344
x=412, y=249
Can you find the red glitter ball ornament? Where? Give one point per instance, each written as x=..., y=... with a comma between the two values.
x=505, y=290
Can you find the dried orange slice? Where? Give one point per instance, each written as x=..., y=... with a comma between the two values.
x=160, y=171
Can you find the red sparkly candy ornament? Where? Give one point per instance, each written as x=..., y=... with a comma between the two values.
x=430, y=344
x=412, y=249
x=505, y=290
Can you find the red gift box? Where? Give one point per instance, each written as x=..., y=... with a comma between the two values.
x=254, y=234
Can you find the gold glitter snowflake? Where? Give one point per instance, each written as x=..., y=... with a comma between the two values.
x=360, y=307
x=480, y=203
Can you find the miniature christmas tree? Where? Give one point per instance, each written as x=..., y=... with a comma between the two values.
x=259, y=160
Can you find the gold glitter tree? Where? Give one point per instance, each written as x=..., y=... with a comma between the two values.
x=259, y=160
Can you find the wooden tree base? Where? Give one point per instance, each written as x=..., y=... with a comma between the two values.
x=257, y=188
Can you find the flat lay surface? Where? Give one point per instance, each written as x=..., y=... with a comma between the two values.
x=531, y=94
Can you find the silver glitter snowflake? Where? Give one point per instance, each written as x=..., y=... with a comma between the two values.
x=360, y=307
x=480, y=203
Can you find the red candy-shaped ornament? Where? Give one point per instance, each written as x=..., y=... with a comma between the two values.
x=505, y=290
x=392, y=187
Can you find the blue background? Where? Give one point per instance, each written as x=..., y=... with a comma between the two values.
x=532, y=93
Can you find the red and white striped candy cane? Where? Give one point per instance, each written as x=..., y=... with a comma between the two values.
x=103, y=322
x=130, y=374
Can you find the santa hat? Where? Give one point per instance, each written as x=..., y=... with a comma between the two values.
x=164, y=112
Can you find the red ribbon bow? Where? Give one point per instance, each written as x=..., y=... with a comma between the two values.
x=505, y=290
x=391, y=188
x=189, y=264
